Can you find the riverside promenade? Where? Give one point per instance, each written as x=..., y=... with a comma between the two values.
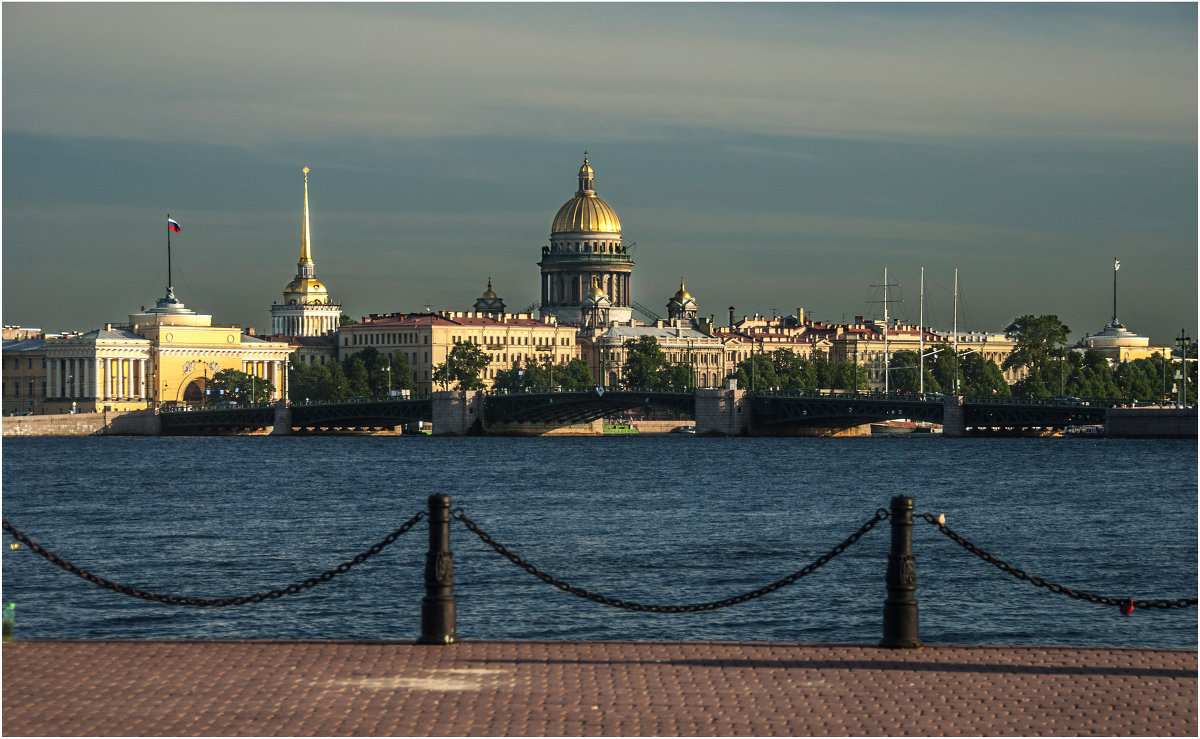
x=527, y=688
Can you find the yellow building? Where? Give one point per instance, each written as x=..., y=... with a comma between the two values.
x=164, y=355
x=425, y=339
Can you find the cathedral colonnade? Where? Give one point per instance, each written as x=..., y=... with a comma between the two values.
x=563, y=288
x=100, y=378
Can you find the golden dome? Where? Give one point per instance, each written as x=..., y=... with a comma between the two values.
x=596, y=291
x=586, y=212
x=683, y=294
x=488, y=294
x=305, y=285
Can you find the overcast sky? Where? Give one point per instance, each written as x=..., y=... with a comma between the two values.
x=776, y=156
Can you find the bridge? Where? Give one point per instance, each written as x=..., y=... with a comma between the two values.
x=717, y=412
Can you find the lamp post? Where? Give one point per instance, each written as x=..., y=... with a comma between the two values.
x=389, y=373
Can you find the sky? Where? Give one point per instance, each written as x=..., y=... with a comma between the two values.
x=775, y=156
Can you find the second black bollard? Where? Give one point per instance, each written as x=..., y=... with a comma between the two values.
x=437, y=607
x=901, y=627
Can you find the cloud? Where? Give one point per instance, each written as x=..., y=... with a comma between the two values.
x=253, y=73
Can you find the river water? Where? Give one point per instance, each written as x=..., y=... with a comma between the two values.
x=654, y=519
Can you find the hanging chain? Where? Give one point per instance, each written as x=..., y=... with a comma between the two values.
x=174, y=600
x=1053, y=587
x=880, y=515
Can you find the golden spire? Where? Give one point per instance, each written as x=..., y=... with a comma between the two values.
x=305, y=248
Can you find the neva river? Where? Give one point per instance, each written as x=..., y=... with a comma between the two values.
x=654, y=519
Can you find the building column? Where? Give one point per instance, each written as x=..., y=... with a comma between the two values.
x=108, y=383
x=97, y=378
x=49, y=366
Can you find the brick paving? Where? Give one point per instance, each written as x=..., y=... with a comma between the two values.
x=513, y=688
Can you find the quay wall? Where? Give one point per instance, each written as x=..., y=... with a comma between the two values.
x=1179, y=423
x=131, y=423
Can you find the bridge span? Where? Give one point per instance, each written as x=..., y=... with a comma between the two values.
x=716, y=412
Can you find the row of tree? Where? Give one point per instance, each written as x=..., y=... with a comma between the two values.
x=1048, y=369
x=364, y=374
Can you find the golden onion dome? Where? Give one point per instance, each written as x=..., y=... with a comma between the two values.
x=586, y=212
x=488, y=294
x=597, y=291
x=683, y=294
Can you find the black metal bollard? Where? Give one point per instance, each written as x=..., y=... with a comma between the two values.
x=437, y=607
x=901, y=628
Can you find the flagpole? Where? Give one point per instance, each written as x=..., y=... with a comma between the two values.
x=169, y=281
x=1116, y=266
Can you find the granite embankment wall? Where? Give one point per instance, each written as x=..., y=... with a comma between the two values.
x=133, y=423
x=1151, y=422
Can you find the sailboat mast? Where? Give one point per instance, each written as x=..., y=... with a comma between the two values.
x=885, y=333
x=956, y=331
x=921, y=336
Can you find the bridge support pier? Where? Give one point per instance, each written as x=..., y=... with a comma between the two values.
x=283, y=419
x=721, y=412
x=457, y=412
x=953, y=419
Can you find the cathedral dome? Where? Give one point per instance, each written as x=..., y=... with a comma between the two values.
x=586, y=212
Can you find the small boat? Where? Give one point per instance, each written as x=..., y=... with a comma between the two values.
x=901, y=426
x=689, y=429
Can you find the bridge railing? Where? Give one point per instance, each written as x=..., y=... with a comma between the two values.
x=848, y=394
x=589, y=389
x=202, y=409
x=364, y=400
x=1028, y=400
x=900, y=609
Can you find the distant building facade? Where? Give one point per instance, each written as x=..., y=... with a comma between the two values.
x=426, y=339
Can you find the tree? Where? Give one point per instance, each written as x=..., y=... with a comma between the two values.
x=402, y=375
x=463, y=366
x=675, y=377
x=644, y=358
x=338, y=385
x=575, y=375
x=1038, y=341
x=845, y=375
x=795, y=372
x=345, y=320
x=905, y=374
x=238, y=386
x=757, y=373
x=378, y=378
x=357, y=379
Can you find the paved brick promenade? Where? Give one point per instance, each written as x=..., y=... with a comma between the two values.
x=329, y=688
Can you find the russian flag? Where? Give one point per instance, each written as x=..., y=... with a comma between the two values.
x=171, y=224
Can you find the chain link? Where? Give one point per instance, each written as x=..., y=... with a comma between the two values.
x=174, y=600
x=1052, y=587
x=880, y=515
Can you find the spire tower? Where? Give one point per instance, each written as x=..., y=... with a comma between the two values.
x=307, y=309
